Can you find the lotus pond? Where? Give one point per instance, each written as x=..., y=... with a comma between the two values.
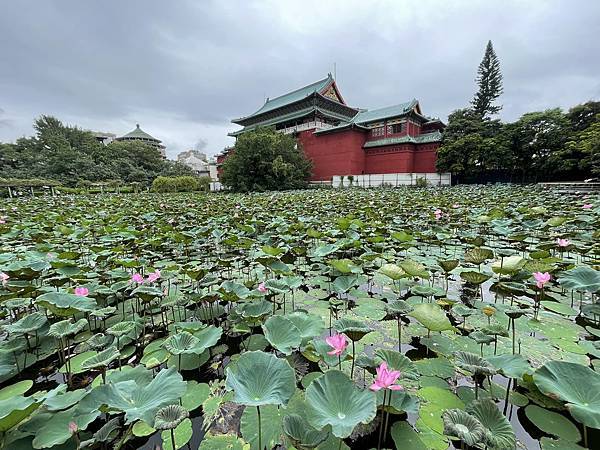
x=436, y=318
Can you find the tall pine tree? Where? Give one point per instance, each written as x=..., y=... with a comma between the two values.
x=489, y=80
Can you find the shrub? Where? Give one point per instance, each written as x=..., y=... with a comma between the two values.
x=180, y=184
x=421, y=182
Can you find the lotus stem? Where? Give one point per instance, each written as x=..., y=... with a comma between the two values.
x=352, y=368
x=381, y=423
x=512, y=320
x=399, y=335
x=173, y=439
x=387, y=415
x=260, y=447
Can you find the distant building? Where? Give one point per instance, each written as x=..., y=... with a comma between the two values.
x=105, y=138
x=199, y=163
x=140, y=135
x=342, y=140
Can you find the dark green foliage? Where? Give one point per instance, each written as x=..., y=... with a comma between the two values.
x=180, y=184
x=489, y=80
x=266, y=160
x=70, y=155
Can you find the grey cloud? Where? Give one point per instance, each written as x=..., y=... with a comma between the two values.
x=184, y=69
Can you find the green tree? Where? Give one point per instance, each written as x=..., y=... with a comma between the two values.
x=585, y=145
x=584, y=115
x=489, y=80
x=265, y=159
x=538, y=139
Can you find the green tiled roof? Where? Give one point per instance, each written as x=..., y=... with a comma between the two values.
x=138, y=133
x=290, y=116
x=290, y=97
x=426, y=138
x=384, y=113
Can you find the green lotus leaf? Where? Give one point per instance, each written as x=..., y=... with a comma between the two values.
x=195, y=394
x=398, y=402
x=406, y=438
x=392, y=271
x=473, y=363
x=147, y=293
x=397, y=361
x=168, y=417
x=333, y=399
x=582, y=278
x=398, y=308
x=474, y=277
x=577, y=385
x=346, y=282
x=402, y=236
x=56, y=431
x=282, y=334
x=508, y=266
x=271, y=417
x=414, y=269
x=256, y=309
x=324, y=250
x=64, y=304
x=182, y=434
x=121, y=328
x=301, y=434
x=478, y=255
x=18, y=388
x=553, y=423
x=461, y=424
x=499, y=433
x=259, y=378
x=65, y=328
x=141, y=401
x=511, y=366
x=14, y=410
x=233, y=291
x=560, y=444
x=107, y=432
x=495, y=329
x=431, y=316
x=27, y=324
x=180, y=343
x=309, y=325
x=222, y=442
x=102, y=359
x=354, y=329
x=277, y=286
x=59, y=398
x=448, y=265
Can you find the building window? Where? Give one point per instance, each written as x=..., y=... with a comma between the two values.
x=376, y=132
x=397, y=128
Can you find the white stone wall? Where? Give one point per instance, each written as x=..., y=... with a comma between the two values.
x=392, y=179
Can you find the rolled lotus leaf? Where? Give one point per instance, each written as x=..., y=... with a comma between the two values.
x=354, y=329
x=499, y=433
x=302, y=435
x=474, y=277
x=448, y=265
x=473, y=363
x=168, y=417
x=461, y=424
x=478, y=255
x=259, y=378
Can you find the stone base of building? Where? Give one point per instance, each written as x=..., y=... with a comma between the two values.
x=391, y=180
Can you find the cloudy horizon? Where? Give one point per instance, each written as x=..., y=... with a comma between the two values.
x=184, y=70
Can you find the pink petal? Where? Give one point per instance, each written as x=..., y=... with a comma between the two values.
x=396, y=387
x=375, y=387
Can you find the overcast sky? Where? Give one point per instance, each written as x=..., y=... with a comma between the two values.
x=184, y=69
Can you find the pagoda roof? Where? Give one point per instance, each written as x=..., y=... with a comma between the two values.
x=387, y=112
x=138, y=133
x=425, y=138
x=318, y=87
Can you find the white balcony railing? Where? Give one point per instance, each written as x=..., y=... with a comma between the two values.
x=306, y=126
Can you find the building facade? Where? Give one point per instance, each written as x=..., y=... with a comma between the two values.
x=199, y=163
x=342, y=140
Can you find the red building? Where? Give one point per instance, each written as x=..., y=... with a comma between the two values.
x=342, y=140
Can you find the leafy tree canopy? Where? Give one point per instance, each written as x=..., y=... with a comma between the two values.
x=265, y=159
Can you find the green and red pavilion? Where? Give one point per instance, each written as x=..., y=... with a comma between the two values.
x=342, y=140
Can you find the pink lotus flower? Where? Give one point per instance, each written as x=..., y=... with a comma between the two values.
x=2, y=219
x=456, y=205
x=262, y=289
x=386, y=378
x=4, y=278
x=541, y=278
x=82, y=291
x=154, y=276
x=338, y=342
x=438, y=214
x=588, y=206
x=73, y=428
x=137, y=278
x=562, y=242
